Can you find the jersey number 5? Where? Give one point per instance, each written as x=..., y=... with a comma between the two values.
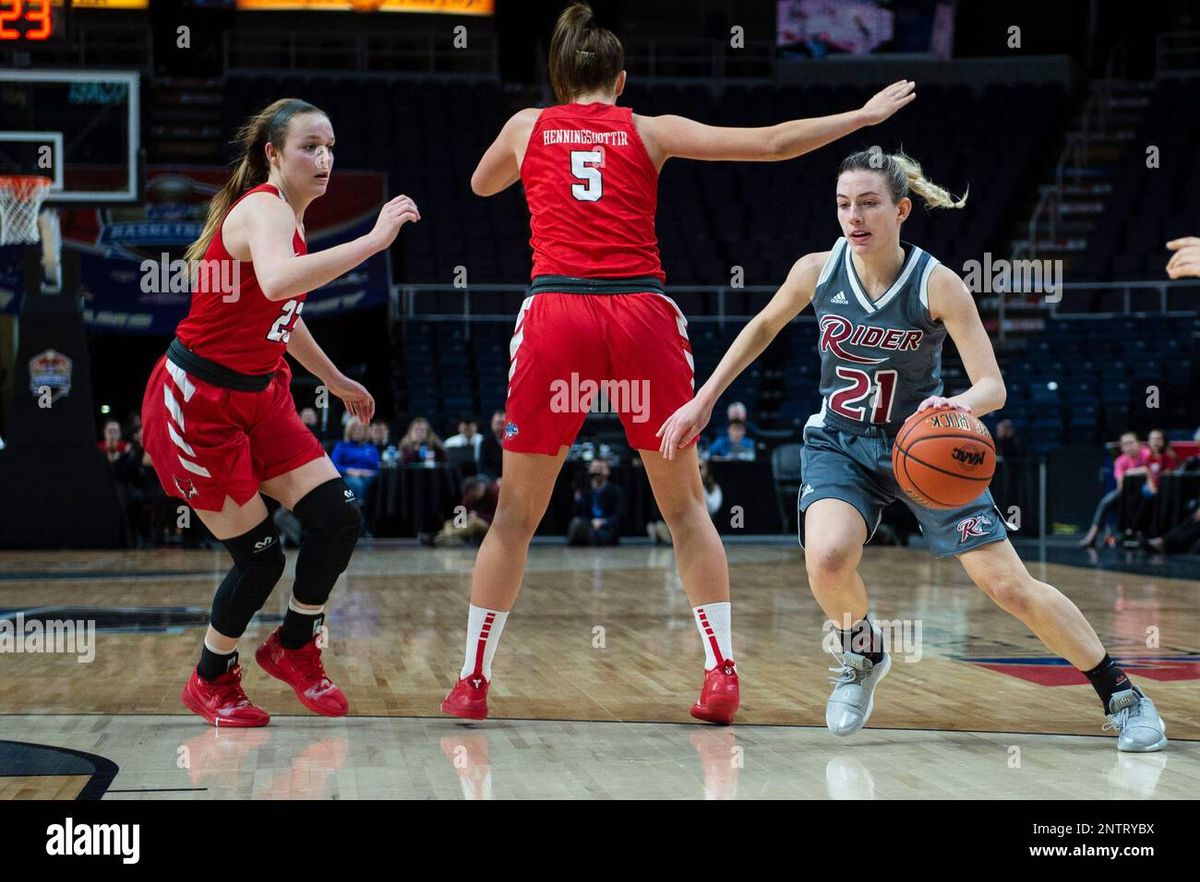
x=844, y=401
x=584, y=166
x=281, y=329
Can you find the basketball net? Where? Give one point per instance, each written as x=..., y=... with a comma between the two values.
x=20, y=201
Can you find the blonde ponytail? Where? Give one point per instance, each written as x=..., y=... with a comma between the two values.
x=933, y=195
x=902, y=174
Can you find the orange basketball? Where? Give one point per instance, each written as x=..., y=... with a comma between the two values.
x=943, y=458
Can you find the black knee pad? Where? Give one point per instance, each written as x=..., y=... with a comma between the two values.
x=257, y=565
x=331, y=522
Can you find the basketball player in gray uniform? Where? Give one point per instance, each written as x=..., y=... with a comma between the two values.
x=883, y=308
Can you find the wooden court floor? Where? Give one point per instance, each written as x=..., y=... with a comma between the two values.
x=594, y=676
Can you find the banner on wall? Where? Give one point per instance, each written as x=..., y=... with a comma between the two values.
x=127, y=253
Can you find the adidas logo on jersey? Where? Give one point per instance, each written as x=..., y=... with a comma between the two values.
x=808, y=488
x=839, y=297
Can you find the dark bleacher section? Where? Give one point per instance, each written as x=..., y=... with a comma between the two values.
x=1086, y=380
x=1079, y=382
x=712, y=216
x=427, y=136
x=1149, y=206
x=763, y=216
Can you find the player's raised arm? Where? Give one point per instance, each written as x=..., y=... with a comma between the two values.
x=789, y=301
x=667, y=136
x=268, y=224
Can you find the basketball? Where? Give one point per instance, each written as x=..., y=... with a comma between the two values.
x=943, y=458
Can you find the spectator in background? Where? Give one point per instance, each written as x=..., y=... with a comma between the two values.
x=1183, y=538
x=133, y=470
x=1161, y=461
x=308, y=416
x=737, y=411
x=1008, y=445
x=1132, y=461
x=357, y=460
x=734, y=444
x=421, y=444
x=491, y=449
x=468, y=436
x=597, y=512
x=471, y=522
x=380, y=434
x=112, y=444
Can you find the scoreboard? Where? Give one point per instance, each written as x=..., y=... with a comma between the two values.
x=32, y=22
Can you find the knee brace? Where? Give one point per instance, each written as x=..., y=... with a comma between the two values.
x=330, y=524
x=257, y=565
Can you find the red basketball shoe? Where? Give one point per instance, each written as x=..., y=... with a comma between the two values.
x=720, y=697
x=302, y=670
x=468, y=698
x=222, y=702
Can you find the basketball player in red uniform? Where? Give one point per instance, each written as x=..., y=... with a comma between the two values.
x=218, y=418
x=597, y=313
x=870, y=279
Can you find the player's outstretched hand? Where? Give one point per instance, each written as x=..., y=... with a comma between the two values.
x=392, y=217
x=939, y=401
x=887, y=101
x=682, y=426
x=1186, y=259
x=354, y=395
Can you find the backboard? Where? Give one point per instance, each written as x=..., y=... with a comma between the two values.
x=79, y=128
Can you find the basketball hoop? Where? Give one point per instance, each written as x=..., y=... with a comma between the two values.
x=20, y=201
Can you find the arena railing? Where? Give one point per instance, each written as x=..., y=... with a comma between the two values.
x=491, y=302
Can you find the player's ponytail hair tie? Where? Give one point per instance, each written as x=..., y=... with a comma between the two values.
x=584, y=56
x=903, y=174
x=271, y=124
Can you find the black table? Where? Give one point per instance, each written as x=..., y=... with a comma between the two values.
x=412, y=499
x=746, y=484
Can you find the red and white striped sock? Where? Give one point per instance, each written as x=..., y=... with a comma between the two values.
x=484, y=627
x=713, y=621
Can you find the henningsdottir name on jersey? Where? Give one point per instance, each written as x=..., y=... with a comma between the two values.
x=881, y=358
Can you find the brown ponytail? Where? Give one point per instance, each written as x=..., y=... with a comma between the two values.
x=583, y=56
x=269, y=124
x=902, y=174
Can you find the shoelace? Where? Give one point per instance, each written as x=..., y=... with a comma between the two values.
x=1120, y=719
x=231, y=692
x=845, y=673
x=311, y=666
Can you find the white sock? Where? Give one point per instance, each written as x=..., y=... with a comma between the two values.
x=484, y=627
x=713, y=621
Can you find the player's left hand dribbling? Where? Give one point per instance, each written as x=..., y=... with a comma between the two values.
x=939, y=401
x=358, y=401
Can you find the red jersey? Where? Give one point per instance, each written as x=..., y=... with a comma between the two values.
x=238, y=327
x=592, y=192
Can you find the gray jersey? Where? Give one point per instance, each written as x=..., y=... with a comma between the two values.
x=879, y=359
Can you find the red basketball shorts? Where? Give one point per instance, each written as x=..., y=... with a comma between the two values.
x=208, y=442
x=570, y=354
